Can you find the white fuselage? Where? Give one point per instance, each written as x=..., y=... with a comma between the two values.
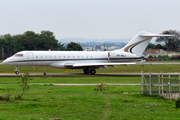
x=61, y=59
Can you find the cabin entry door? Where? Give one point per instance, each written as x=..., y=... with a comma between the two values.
x=30, y=58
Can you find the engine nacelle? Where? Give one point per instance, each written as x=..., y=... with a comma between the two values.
x=60, y=65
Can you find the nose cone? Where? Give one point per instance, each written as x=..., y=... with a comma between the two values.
x=5, y=62
x=8, y=61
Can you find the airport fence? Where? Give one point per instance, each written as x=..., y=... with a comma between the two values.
x=165, y=86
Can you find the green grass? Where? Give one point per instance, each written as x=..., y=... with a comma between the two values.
x=120, y=69
x=163, y=61
x=82, y=102
x=94, y=79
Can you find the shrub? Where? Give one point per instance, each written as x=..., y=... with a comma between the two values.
x=163, y=57
x=100, y=87
x=173, y=58
x=177, y=103
x=1, y=98
x=150, y=56
x=153, y=95
x=178, y=57
x=24, y=85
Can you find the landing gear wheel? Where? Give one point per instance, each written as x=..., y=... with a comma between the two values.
x=93, y=72
x=16, y=72
x=86, y=71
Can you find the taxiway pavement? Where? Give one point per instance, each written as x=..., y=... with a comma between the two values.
x=98, y=74
x=85, y=75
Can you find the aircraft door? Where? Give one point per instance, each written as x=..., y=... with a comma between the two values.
x=109, y=55
x=30, y=58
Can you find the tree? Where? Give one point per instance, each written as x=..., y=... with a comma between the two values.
x=61, y=46
x=18, y=43
x=29, y=40
x=48, y=40
x=172, y=43
x=7, y=46
x=150, y=46
x=74, y=46
x=158, y=46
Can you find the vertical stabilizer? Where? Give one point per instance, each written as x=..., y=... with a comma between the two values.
x=139, y=43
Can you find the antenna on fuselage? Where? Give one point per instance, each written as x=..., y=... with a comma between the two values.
x=49, y=50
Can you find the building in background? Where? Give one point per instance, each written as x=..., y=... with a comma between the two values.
x=97, y=46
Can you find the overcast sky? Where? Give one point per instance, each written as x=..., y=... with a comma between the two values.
x=99, y=19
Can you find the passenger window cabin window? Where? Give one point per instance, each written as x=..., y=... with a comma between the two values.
x=68, y=57
x=59, y=56
x=73, y=56
x=45, y=56
x=54, y=56
x=36, y=56
x=18, y=55
x=41, y=56
x=82, y=56
x=78, y=56
x=50, y=56
x=64, y=56
x=87, y=56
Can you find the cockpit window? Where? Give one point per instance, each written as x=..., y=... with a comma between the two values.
x=18, y=55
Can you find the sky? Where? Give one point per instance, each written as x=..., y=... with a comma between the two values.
x=97, y=19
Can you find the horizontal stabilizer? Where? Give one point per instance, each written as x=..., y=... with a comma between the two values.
x=154, y=35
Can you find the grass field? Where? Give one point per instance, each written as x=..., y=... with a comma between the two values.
x=95, y=79
x=83, y=102
x=45, y=102
x=119, y=69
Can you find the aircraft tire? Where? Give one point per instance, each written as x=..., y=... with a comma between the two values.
x=86, y=71
x=93, y=72
x=17, y=72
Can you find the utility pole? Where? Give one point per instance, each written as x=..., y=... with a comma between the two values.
x=104, y=46
x=2, y=53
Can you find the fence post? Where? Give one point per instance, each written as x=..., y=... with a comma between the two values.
x=159, y=81
x=150, y=80
x=179, y=85
x=142, y=82
x=169, y=83
x=150, y=83
x=162, y=83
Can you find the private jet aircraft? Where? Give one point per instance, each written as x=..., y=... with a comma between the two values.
x=86, y=60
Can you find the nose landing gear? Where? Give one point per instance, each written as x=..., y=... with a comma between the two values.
x=17, y=71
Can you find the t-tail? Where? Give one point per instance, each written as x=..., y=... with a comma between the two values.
x=139, y=43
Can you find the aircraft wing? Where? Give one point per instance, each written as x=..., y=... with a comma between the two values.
x=100, y=64
x=73, y=65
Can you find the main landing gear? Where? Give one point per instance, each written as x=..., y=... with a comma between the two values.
x=92, y=71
